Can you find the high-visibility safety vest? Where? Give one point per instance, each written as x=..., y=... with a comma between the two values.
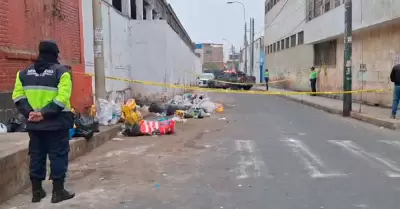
x=266, y=74
x=49, y=93
x=313, y=75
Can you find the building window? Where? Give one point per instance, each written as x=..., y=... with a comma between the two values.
x=283, y=44
x=274, y=47
x=337, y=3
x=318, y=7
x=278, y=46
x=293, y=40
x=287, y=43
x=300, y=38
x=325, y=53
x=327, y=5
x=117, y=4
x=271, y=48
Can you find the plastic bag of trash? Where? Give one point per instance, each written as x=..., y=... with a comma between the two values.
x=130, y=114
x=157, y=108
x=208, y=106
x=85, y=126
x=104, y=112
x=219, y=108
x=3, y=129
x=116, y=113
x=157, y=127
x=16, y=124
x=131, y=130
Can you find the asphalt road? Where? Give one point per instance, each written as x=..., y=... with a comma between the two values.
x=270, y=153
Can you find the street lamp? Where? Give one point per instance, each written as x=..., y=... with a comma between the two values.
x=244, y=8
x=245, y=31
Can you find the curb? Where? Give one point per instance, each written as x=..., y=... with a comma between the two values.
x=14, y=164
x=359, y=116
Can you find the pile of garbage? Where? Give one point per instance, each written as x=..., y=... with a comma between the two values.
x=187, y=106
x=135, y=125
x=177, y=110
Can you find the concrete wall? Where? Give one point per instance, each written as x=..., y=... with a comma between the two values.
x=293, y=64
x=365, y=14
x=379, y=49
x=145, y=50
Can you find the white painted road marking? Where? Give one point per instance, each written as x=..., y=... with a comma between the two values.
x=311, y=162
x=392, y=171
x=248, y=161
x=390, y=142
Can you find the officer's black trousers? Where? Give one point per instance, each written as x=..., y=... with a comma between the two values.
x=52, y=143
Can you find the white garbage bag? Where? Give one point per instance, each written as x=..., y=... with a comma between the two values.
x=208, y=106
x=116, y=113
x=104, y=113
x=178, y=100
x=3, y=128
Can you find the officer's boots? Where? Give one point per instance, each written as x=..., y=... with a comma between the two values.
x=59, y=193
x=38, y=192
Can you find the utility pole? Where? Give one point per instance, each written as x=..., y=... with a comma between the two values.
x=347, y=77
x=99, y=72
x=252, y=46
x=245, y=47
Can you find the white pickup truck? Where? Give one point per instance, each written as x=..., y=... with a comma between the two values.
x=202, y=80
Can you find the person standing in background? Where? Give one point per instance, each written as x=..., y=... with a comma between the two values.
x=395, y=78
x=313, y=80
x=42, y=94
x=266, y=78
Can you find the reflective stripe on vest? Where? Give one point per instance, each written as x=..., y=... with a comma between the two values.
x=45, y=91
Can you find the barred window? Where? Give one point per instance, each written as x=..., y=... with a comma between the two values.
x=287, y=43
x=300, y=38
x=283, y=44
x=325, y=53
x=293, y=40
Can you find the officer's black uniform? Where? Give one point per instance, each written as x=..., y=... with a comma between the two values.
x=51, y=135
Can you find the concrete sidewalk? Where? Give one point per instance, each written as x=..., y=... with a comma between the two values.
x=374, y=115
x=14, y=159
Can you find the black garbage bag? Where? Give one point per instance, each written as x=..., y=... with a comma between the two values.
x=16, y=123
x=157, y=108
x=85, y=126
x=131, y=130
x=172, y=108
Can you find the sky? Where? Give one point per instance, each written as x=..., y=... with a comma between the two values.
x=215, y=20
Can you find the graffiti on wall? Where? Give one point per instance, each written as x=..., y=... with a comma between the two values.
x=395, y=58
x=123, y=95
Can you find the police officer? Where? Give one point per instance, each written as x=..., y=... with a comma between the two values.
x=266, y=78
x=313, y=80
x=42, y=94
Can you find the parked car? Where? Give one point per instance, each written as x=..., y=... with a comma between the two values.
x=202, y=80
x=234, y=80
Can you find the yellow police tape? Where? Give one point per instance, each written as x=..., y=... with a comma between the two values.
x=258, y=92
x=254, y=84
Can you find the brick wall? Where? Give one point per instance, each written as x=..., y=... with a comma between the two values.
x=24, y=23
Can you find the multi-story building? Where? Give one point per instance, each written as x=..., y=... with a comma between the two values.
x=258, y=59
x=212, y=55
x=233, y=61
x=304, y=33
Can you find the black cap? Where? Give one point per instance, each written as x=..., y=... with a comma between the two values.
x=48, y=47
